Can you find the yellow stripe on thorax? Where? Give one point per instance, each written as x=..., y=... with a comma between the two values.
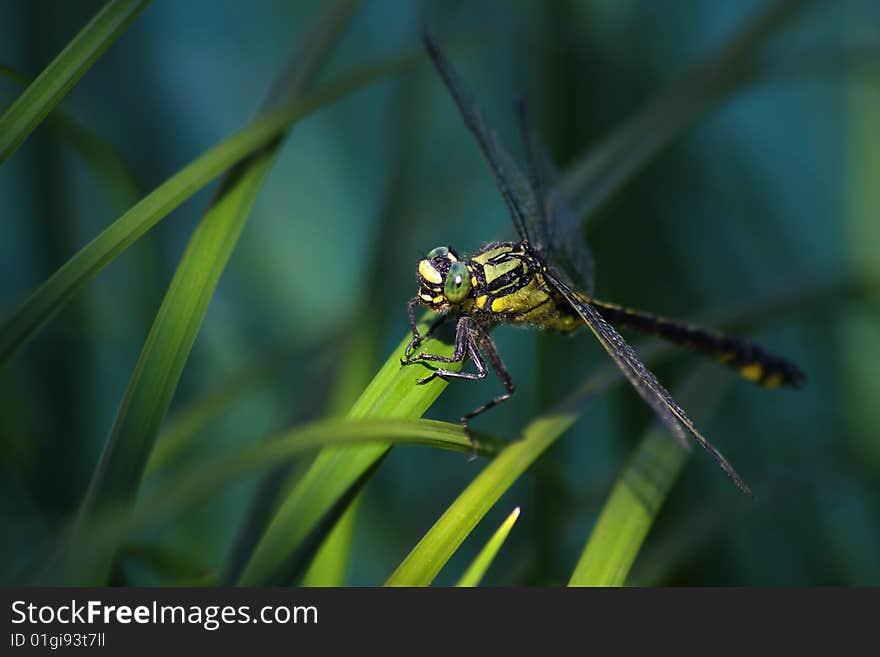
x=493, y=272
x=485, y=256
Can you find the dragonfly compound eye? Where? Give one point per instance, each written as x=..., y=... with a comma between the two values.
x=458, y=283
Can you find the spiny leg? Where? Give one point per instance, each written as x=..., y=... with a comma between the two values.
x=491, y=351
x=462, y=338
x=481, y=372
x=417, y=338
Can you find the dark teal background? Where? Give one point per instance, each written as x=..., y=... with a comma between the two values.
x=773, y=191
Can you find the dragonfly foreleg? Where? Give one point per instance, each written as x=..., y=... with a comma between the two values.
x=462, y=341
x=418, y=339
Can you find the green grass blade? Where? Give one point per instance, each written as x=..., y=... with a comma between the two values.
x=435, y=548
x=50, y=297
x=191, y=488
x=432, y=552
x=167, y=347
x=47, y=90
x=603, y=171
x=638, y=495
x=628, y=514
x=330, y=564
x=474, y=574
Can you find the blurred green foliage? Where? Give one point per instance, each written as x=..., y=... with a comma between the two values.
x=773, y=192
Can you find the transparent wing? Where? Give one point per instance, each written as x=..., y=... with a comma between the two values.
x=556, y=224
x=645, y=383
x=520, y=199
x=546, y=222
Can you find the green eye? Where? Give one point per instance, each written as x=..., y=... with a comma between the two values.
x=458, y=283
x=437, y=252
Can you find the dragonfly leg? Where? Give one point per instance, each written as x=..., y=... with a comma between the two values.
x=462, y=338
x=418, y=339
x=491, y=351
x=473, y=352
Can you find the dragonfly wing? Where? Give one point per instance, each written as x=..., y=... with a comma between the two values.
x=524, y=195
x=508, y=178
x=645, y=383
x=560, y=240
x=568, y=249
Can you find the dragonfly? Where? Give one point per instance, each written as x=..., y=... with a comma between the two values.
x=545, y=280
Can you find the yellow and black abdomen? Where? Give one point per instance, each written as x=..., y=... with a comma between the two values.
x=748, y=358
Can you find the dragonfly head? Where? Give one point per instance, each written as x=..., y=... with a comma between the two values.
x=444, y=280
